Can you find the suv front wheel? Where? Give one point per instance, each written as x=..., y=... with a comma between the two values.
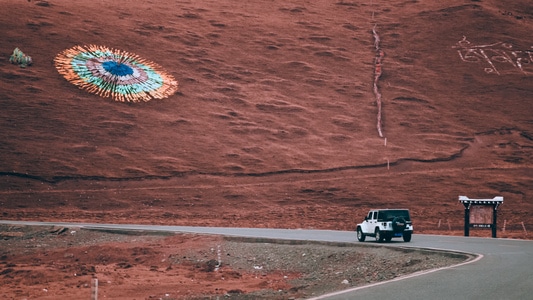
x=360, y=235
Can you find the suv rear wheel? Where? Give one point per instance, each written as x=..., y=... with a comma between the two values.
x=360, y=235
x=406, y=237
x=379, y=236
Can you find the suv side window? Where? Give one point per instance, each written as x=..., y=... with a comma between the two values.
x=369, y=216
x=375, y=215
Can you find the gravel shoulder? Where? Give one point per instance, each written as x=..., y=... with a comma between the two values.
x=57, y=263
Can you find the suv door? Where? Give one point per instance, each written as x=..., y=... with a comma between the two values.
x=370, y=222
x=373, y=222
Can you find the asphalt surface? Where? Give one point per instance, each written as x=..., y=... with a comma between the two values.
x=503, y=268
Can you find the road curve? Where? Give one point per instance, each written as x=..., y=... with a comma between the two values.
x=503, y=271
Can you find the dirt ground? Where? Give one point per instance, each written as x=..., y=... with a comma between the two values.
x=61, y=263
x=275, y=123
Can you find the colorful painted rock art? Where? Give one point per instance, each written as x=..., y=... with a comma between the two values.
x=121, y=75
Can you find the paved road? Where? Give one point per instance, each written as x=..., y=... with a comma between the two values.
x=503, y=270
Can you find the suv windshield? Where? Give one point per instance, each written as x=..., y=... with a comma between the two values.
x=388, y=215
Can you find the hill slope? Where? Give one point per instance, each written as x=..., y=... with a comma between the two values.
x=275, y=120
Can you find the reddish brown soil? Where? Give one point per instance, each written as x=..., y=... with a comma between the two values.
x=126, y=267
x=274, y=124
x=62, y=263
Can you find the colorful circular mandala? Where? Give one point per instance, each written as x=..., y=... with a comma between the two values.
x=123, y=76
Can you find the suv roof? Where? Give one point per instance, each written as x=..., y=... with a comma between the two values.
x=390, y=214
x=389, y=209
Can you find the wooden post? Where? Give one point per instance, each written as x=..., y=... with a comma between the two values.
x=524, y=227
x=504, y=224
x=94, y=289
x=494, y=215
x=438, y=225
x=219, y=258
x=467, y=221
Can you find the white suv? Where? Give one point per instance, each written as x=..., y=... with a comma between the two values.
x=384, y=224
